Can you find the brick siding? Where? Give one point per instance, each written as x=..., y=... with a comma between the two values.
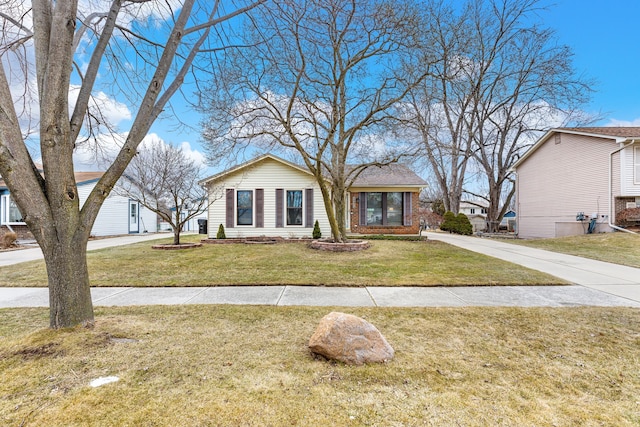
x=414, y=228
x=621, y=204
x=21, y=230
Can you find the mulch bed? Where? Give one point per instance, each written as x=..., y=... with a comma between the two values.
x=170, y=247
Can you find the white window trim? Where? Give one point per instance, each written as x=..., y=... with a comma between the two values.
x=4, y=215
x=286, y=225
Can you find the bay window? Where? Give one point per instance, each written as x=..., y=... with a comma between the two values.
x=384, y=208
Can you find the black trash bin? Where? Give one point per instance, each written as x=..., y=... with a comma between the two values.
x=202, y=226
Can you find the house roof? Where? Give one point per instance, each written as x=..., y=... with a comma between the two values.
x=395, y=174
x=81, y=178
x=616, y=132
x=388, y=176
x=619, y=134
x=474, y=204
x=85, y=177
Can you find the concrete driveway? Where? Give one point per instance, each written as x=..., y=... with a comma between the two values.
x=612, y=279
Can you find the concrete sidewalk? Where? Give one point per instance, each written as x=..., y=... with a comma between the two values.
x=613, y=279
x=503, y=296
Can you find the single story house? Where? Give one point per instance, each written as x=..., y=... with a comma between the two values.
x=118, y=215
x=269, y=196
x=191, y=225
x=575, y=177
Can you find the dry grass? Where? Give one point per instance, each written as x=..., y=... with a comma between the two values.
x=229, y=365
x=618, y=248
x=386, y=263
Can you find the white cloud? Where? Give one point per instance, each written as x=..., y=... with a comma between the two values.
x=99, y=152
x=615, y=122
x=195, y=155
x=101, y=105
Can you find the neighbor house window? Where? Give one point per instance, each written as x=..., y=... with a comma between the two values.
x=636, y=165
x=10, y=212
x=294, y=207
x=245, y=207
x=384, y=208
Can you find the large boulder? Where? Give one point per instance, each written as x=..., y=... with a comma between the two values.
x=349, y=339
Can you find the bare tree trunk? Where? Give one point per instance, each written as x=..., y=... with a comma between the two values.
x=176, y=236
x=331, y=216
x=69, y=291
x=48, y=198
x=340, y=211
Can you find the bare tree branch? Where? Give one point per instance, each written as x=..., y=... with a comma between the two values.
x=316, y=79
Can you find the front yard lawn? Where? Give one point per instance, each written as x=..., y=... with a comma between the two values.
x=386, y=263
x=618, y=248
x=234, y=365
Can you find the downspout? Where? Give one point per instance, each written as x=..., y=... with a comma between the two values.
x=615, y=227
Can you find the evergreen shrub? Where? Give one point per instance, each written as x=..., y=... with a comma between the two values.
x=220, y=234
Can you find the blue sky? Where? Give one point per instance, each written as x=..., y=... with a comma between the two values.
x=604, y=37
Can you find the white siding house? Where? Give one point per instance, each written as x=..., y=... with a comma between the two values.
x=269, y=196
x=118, y=215
x=476, y=211
x=577, y=173
x=266, y=196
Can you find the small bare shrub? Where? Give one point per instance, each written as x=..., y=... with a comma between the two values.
x=9, y=239
x=628, y=217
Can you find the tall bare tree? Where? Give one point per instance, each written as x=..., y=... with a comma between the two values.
x=321, y=79
x=53, y=36
x=438, y=110
x=501, y=79
x=164, y=179
x=530, y=85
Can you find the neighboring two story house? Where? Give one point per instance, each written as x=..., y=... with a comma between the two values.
x=269, y=196
x=476, y=211
x=572, y=176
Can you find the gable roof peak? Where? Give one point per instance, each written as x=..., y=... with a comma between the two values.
x=250, y=163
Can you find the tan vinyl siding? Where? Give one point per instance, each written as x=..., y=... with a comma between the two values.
x=561, y=179
x=268, y=175
x=616, y=175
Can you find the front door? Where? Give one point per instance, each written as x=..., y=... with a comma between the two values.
x=134, y=220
